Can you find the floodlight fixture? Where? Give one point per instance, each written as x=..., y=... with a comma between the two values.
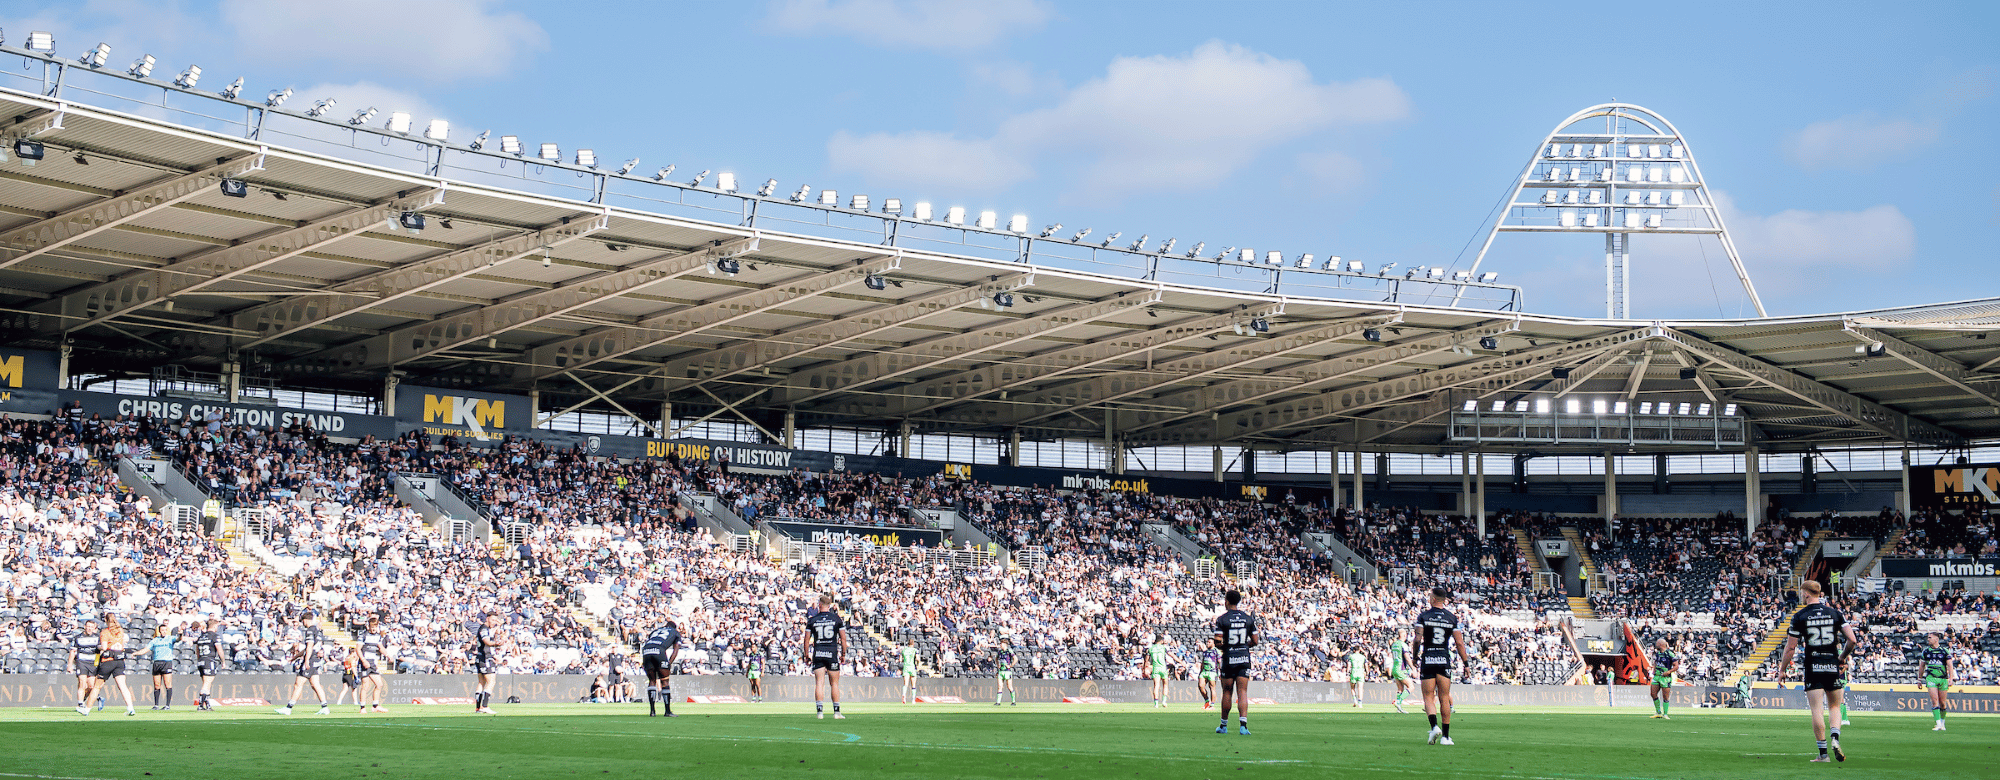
x=1196, y=250
x=1689, y=373
x=321, y=107
x=1354, y=266
x=829, y=197
x=1003, y=299
x=1572, y=406
x=1489, y=276
x=1541, y=406
x=278, y=97
x=29, y=152
x=399, y=122
x=1489, y=343
x=1141, y=243
x=511, y=144
x=1110, y=238
x=726, y=181
x=363, y=117
x=1260, y=325
x=1437, y=273
x=95, y=57
x=874, y=282
x=1875, y=349
x=1729, y=410
x=1225, y=253
x=1384, y=270
x=438, y=130
x=921, y=211
x=1618, y=407
x=235, y=88
x=1167, y=247
x=1080, y=234
x=1702, y=410
x=550, y=152
x=1371, y=334
x=1274, y=257
x=143, y=68
x=988, y=220
x=1305, y=260
x=1461, y=276
x=1051, y=230
x=411, y=221
x=586, y=158
x=235, y=188
x=892, y=206
x=770, y=186
x=1684, y=409
x=1017, y=223
x=189, y=77
x=480, y=142
x=41, y=41
x=955, y=215
x=80, y=159
x=805, y=191
x=1600, y=406
x=1559, y=373
x=696, y=182
x=728, y=266
x=857, y=202
x=1470, y=406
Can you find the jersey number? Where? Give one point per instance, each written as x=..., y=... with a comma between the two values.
x=1439, y=635
x=1237, y=637
x=823, y=632
x=1819, y=636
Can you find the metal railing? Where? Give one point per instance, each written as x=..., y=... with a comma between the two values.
x=182, y=518
x=1204, y=569
x=1032, y=559
x=884, y=222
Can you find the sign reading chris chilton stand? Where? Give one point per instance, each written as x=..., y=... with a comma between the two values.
x=1961, y=486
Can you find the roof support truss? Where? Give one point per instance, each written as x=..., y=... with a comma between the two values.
x=1396, y=418
x=856, y=373
x=35, y=240
x=710, y=366
x=598, y=346
x=279, y=319
x=1485, y=374
x=101, y=303
x=1948, y=371
x=1205, y=401
x=424, y=339
x=997, y=377
x=1882, y=419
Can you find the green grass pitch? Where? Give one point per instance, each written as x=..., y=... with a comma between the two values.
x=974, y=740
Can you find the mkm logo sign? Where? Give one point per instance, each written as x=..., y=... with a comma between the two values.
x=1972, y=484
x=13, y=369
x=957, y=471
x=477, y=414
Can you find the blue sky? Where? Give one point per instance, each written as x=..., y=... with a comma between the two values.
x=1855, y=144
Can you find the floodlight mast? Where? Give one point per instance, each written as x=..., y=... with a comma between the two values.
x=1637, y=175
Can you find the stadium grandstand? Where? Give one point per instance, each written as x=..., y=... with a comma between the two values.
x=308, y=373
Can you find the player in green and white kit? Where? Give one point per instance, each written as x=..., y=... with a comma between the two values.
x=753, y=670
x=1357, y=668
x=1937, y=671
x=1397, y=673
x=1209, y=660
x=908, y=655
x=1156, y=669
x=1006, y=676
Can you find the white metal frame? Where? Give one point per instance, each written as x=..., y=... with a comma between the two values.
x=1573, y=184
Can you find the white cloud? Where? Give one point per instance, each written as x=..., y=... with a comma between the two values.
x=1877, y=238
x=925, y=159
x=1332, y=173
x=1014, y=79
x=428, y=40
x=945, y=25
x=1161, y=124
x=1859, y=142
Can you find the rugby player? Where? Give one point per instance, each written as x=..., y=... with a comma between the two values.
x=487, y=646
x=1005, y=682
x=1156, y=669
x=754, y=670
x=207, y=663
x=83, y=659
x=1397, y=673
x=1357, y=668
x=1437, y=635
x=826, y=643
x=906, y=656
x=1937, y=671
x=657, y=657
x=1665, y=664
x=369, y=667
x=110, y=665
x=161, y=651
x=1819, y=629
x=1206, y=683
x=1235, y=634
x=305, y=673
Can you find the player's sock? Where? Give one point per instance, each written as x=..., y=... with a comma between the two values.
x=667, y=699
x=836, y=708
x=288, y=705
x=1833, y=734
x=1939, y=713
x=652, y=696
x=1434, y=721
x=156, y=698
x=1014, y=696
x=170, y=697
x=1843, y=710
x=1822, y=748
x=1447, y=731
x=1666, y=707
x=819, y=706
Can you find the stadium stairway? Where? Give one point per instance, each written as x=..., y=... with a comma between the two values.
x=1766, y=647
x=1809, y=554
x=1527, y=548
x=598, y=628
x=243, y=558
x=1883, y=550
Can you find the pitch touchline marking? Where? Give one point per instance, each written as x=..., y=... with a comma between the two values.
x=50, y=777
x=969, y=748
x=850, y=737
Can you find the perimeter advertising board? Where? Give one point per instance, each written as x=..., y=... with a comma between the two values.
x=880, y=536
x=1940, y=567
x=27, y=380
x=1960, y=486
x=463, y=413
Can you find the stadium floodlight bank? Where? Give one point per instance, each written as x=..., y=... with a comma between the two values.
x=985, y=235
